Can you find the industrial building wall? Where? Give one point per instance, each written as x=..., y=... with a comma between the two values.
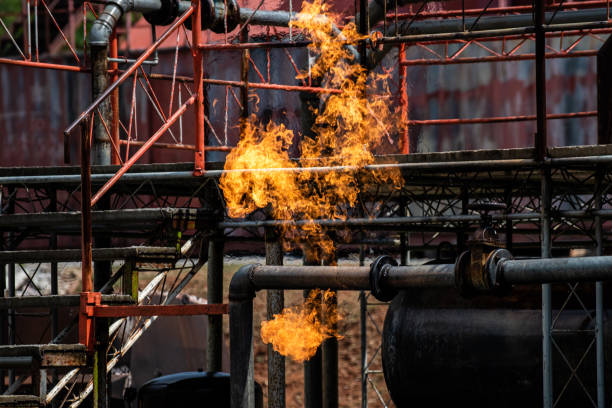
x=36, y=104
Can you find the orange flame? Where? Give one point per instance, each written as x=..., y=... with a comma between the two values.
x=298, y=332
x=347, y=128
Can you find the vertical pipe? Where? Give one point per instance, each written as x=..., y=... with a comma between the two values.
x=198, y=83
x=403, y=236
x=11, y=285
x=214, y=353
x=114, y=128
x=403, y=91
x=275, y=304
x=599, y=308
x=547, y=382
x=363, y=312
x=101, y=147
x=330, y=347
x=242, y=388
x=313, y=386
x=54, y=277
x=540, y=51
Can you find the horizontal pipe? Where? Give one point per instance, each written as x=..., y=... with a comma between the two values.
x=17, y=362
x=551, y=270
x=487, y=23
x=445, y=166
x=501, y=119
x=347, y=277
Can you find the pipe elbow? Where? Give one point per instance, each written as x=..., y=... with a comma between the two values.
x=102, y=28
x=241, y=286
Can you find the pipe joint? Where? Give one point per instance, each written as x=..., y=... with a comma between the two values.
x=104, y=25
x=478, y=272
x=241, y=287
x=379, y=277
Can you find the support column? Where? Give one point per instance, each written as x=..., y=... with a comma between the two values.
x=3, y=313
x=100, y=155
x=599, y=306
x=214, y=352
x=198, y=83
x=363, y=312
x=547, y=373
x=11, y=284
x=313, y=386
x=330, y=349
x=604, y=93
x=275, y=304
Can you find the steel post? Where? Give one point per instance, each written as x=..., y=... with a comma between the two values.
x=313, y=385
x=330, y=346
x=599, y=306
x=363, y=316
x=214, y=352
x=403, y=99
x=541, y=143
x=198, y=83
x=114, y=128
x=275, y=303
x=545, y=242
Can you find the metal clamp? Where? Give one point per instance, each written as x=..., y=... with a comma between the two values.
x=379, y=272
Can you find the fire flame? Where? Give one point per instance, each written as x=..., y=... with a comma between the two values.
x=349, y=125
x=298, y=331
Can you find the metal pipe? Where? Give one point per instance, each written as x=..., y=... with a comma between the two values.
x=104, y=25
x=599, y=305
x=198, y=110
x=541, y=142
x=547, y=374
x=282, y=18
x=86, y=238
x=457, y=25
x=313, y=385
x=275, y=301
x=586, y=269
x=214, y=295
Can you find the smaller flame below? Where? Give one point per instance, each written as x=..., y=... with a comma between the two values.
x=297, y=332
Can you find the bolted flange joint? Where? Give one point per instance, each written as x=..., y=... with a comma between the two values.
x=379, y=273
x=478, y=273
x=214, y=16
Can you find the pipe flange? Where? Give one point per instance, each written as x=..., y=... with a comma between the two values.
x=214, y=18
x=379, y=272
x=462, y=282
x=492, y=270
x=168, y=12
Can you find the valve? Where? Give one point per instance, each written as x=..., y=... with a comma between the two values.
x=473, y=267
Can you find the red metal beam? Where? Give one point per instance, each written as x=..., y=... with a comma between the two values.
x=160, y=310
x=198, y=74
x=497, y=58
x=141, y=151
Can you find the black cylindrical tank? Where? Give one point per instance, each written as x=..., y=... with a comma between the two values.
x=190, y=389
x=441, y=350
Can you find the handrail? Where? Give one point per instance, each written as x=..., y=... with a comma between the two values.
x=145, y=55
